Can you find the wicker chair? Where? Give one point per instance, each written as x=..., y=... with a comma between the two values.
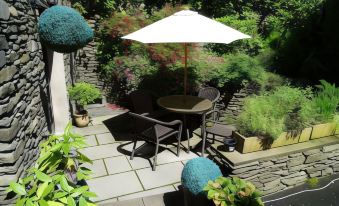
x=217, y=128
x=154, y=131
x=211, y=94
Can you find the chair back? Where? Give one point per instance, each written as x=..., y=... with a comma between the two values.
x=209, y=93
x=141, y=102
x=141, y=122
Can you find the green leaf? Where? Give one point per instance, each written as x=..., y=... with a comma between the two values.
x=84, y=158
x=29, y=203
x=41, y=189
x=66, y=148
x=21, y=202
x=52, y=203
x=59, y=195
x=64, y=184
x=82, y=202
x=63, y=200
x=33, y=189
x=43, y=177
x=17, y=188
x=48, y=190
x=78, y=191
x=27, y=179
x=70, y=201
x=89, y=194
x=43, y=203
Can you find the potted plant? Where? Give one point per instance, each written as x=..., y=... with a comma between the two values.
x=57, y=178
x=233, y=191
x=83, y=93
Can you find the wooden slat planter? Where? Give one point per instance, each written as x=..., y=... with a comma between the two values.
x=253, y=144
x=323, y=130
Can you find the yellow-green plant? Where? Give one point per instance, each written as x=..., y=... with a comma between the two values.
x=233, y=192
x=83, y=93
x=55, y=179
x=312, y=182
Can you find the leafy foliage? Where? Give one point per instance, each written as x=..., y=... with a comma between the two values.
x=246, y=23
x=54, y=180
x=274, y=112
x=323, y=106
x=233, y=191
x=83, y=93
x=197, y=172
x=63, y=29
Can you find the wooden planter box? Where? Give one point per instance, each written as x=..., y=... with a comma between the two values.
x=253, y=144
x=324, y=130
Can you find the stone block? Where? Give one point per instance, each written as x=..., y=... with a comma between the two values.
x=295, y=161
x=316, y=157
x=327, y=171
x=10, y=158
x=311, y=152
x=2, y=59
x=330, y=148
x=294, y=180
x=13, y=11
x=315, y=174
x=7, y=73
x=24, y=58
x=4, y=10
x=7, y=134
x=3, y=43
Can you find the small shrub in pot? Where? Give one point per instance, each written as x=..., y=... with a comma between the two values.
x=83, y=93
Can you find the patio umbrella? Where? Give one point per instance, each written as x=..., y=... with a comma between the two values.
x=186, y=27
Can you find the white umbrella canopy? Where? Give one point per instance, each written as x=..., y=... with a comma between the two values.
x=186, y=27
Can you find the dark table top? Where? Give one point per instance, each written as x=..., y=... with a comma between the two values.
x=184, y=104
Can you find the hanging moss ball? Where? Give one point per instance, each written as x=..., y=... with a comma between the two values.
x=63, y=29
x=197, y=172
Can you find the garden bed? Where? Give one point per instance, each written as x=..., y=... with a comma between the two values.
x=253, y=144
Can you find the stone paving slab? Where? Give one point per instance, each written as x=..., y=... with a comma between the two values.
x=115, y=185
x=132, y=202
x=147, y=193
x=98, y=168
x=105, y=138
x=164, y=175
x=91, y=140
x=101, y=151
x=117, y=164
x=90, y=130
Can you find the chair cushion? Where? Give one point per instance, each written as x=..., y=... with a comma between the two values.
x=157, y=131
x=221, y=129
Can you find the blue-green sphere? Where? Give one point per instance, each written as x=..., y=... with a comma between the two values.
x=63, y=29
x=197, y=172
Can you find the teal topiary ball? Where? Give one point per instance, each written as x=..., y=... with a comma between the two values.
x=63, y=29
x=197, y=172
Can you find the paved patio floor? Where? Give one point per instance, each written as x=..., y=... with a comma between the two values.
x=116, y=177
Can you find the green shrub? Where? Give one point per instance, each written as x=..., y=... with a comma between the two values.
x=323, y=106
x=63, y=29
x=274, y=112
x=83, y=93
x=313, y=182
x=246, y=23
x=233, y=191
x=55, y=178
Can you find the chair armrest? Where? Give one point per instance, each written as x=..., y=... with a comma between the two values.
x=144, y=117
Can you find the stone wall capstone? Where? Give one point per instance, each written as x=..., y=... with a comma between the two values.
x=23, y=89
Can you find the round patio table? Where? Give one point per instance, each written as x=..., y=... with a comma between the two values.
x=186, y=104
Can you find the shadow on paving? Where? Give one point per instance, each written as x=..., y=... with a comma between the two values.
x=324, y=197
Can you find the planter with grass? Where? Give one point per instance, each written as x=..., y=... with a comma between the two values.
x=83, y=94
x=287, y=116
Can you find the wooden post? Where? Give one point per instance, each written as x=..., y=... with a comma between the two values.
x=185, y=70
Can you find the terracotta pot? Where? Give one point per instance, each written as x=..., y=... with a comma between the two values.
x=81, y=119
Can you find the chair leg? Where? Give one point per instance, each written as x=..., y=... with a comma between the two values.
x=188, y=141
x=179, y=142
x=133, y=151
x=213, y=139
x=155, y=156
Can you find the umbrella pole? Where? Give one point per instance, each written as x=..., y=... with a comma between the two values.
x=185, y=70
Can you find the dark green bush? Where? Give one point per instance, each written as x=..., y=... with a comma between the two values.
x=83, y=93
x=63, y=29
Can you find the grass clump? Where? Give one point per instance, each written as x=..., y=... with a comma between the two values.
x=312, y=182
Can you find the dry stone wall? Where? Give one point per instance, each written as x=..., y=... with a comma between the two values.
x=86, y=69
x=280, y=173
x=23, y=89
